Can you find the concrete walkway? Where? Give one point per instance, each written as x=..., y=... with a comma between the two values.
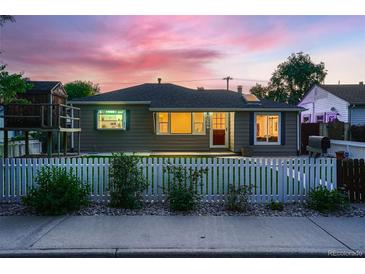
x=176, y=236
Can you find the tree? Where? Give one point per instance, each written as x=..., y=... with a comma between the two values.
x=6, y=18
x=259, y=91
x=294, y=77
x=11, y=85
x=78, y=89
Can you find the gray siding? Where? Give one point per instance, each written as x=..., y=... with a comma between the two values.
x=139, y=137
x=358, y=115
x=242, y=136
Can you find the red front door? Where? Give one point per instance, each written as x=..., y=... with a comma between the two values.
x=219, y=129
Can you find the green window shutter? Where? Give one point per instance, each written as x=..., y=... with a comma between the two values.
x=282, y=125
x=95, y=119
x=127, y=119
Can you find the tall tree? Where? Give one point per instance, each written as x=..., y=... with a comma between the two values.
x=78, y=89
x=259, y=91
x=6, y=18
x=294, y=77
x=11, y=85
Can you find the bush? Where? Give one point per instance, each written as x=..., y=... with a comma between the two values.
x=182, y=185
x=57, y=193
x=276, y=205
x=127, y=182
x=237, y=198
x=324, y=200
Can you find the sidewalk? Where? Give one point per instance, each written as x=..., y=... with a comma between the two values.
x=180, y=236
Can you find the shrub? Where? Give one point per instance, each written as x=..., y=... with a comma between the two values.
x=237, y=198
x=324, y=200
x=127, y=182
x=276, y=205
x=182, y=195
x=58, y=192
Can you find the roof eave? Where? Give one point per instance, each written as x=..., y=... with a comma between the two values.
x=110, y=102
x=226, y=109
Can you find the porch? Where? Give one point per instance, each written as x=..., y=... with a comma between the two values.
x=58, y=119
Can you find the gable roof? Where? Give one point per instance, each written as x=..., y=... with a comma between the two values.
x=354, y=94
x=169, y=96
x=43, y=85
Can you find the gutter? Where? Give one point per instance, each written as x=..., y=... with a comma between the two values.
x=110, y=102
x=227, y=109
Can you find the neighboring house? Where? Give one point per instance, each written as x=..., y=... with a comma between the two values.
x=167, y=117
x=325, y=103
x=43, y=91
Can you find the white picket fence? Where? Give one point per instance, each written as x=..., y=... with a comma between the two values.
x=278, y=179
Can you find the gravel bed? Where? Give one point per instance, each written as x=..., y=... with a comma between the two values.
x=204, y=209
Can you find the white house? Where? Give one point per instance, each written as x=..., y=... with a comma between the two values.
x=324, y=103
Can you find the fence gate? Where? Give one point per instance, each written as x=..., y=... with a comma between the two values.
x=351, y=177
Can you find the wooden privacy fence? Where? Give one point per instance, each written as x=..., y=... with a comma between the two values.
x=282, y=179
x=351, y=177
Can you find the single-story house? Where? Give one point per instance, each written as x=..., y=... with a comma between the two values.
x=167, y=117
x=325, y=103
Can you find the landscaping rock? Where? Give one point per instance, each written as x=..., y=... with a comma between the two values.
x=204, y=209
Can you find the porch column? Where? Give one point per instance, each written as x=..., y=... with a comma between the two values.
x=6, y=144
x=79, y=143
x=26, y=143
x=49, y=144
x=65, y=143
x=58, y=143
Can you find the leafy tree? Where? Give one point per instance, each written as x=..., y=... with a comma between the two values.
x=6, y=18
x=78, y=89
x=11, y=85
x=259, y=91
x=294, y=77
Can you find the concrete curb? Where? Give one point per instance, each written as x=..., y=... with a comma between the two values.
x=167, y=253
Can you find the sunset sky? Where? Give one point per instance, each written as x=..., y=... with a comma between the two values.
x=120, y=51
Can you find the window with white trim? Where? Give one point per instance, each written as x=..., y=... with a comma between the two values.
x=320, y=118
x=306, y=118
x=111, y=119
x=180, y=123
x=267, y=129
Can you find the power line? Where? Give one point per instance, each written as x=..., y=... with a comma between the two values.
x=191, y=80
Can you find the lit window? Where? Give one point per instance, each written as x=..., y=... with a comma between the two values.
x=111, y=119
x=267, y=128
x=198, y=122
x=163, y=122
x=181, y=123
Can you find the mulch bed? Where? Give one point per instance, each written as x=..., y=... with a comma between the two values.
x=204, y=209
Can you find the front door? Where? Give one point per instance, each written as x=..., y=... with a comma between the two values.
x=218, y=132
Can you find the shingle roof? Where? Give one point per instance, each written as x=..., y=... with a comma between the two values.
x=174, y=96
x=354, y=94
x=43, y=85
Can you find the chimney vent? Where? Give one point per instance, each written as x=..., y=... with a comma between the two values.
x=361, y=83
x=239, y=89
x=159, y=80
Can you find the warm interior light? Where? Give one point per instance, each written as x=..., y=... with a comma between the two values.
x=180, y=122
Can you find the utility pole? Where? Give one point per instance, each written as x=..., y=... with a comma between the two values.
x=227, y=79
